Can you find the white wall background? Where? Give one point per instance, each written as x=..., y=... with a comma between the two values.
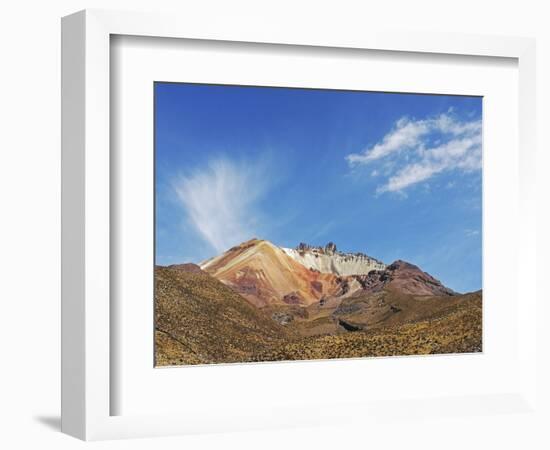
x=30, y=198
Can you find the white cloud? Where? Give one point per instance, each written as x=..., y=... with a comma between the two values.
x=411, y=174
x=219, y=201
x=404, y=136
x=417, y=150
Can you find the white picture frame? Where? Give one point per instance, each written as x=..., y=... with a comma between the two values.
x=86, y=239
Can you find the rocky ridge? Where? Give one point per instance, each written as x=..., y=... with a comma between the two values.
x=328, y=259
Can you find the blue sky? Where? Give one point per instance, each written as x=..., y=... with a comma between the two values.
x=396, y=176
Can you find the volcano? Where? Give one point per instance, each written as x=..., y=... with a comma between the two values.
x=261, y=302
x=266, y=274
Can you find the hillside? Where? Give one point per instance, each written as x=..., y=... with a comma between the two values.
x=204, y=337
x=199, y=320
x=406, y=278
x=456, y=329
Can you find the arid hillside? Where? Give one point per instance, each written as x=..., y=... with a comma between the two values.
x=255, y=303
x=200, y=320
x=457, y=328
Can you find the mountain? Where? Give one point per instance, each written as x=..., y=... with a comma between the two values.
x=200, y=320
x=268, y=275
x=260, y=302
x=265, y=275
x=403, y=277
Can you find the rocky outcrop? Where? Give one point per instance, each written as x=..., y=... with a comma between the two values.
x=330, y=248
x=328, y=259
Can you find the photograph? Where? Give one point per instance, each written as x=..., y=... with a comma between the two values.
x=313, y=224
x=257, y=225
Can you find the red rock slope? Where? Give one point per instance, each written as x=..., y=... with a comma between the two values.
x=265, y=275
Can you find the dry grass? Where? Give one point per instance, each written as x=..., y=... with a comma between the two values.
x=199, y=320
x=457, y=330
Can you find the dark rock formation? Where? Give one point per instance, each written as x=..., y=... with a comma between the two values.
x=348, y=326
x=330, y=248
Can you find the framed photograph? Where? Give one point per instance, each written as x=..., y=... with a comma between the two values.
x=291, y=165
x=266, y=228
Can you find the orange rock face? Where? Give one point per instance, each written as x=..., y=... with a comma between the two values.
x=265, y=275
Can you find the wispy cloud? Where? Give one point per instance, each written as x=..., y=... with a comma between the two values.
x=220, y=200
x=417, y=150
